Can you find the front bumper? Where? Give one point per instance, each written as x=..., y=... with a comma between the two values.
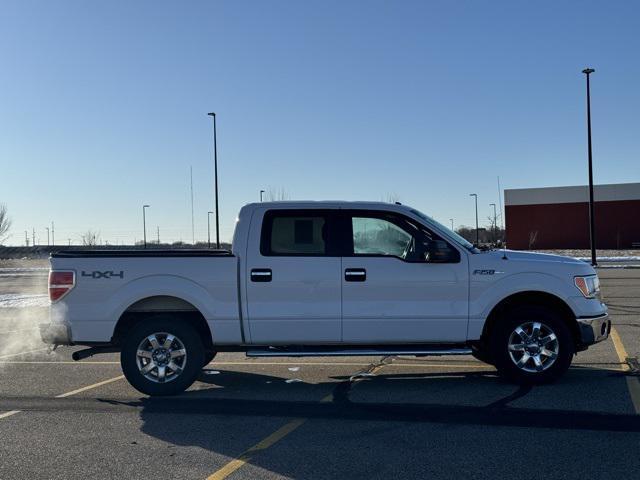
x=594, y=329
x=55, y=333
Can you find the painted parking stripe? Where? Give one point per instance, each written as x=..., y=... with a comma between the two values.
x=633, y=385
x=24, y=353
x=68, y=394
x=8, y=414
x=89, y=387
x=274, y=437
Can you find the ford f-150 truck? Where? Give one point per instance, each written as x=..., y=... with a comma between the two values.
x=325, y=278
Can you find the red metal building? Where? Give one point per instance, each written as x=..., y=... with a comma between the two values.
x=558, y=217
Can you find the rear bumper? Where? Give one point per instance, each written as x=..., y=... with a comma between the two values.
x=55, y=333
x=594, y=329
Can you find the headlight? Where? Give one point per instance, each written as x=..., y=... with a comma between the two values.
x=589, y=286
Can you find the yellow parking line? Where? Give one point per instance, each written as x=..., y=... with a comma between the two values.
x=270, y=440
x=633, y=385
x=89, y=387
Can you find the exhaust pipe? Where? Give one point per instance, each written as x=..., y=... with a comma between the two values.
x=91, y=351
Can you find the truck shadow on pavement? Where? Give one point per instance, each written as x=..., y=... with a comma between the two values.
x=244, y=394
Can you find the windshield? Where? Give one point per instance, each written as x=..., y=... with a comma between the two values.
x=469, y=246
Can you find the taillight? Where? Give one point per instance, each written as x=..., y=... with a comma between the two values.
x=60, y=283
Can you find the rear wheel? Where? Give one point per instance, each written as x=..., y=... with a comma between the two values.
x=162, y=356
x=532, y=344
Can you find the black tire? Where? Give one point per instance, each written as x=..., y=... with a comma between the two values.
x=527, y=316
x=192, y=362
x=208, y=356
x=481, y=352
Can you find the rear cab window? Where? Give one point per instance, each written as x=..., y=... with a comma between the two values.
x=298, y=233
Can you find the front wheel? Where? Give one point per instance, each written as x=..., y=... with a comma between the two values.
x=532, y=345
x=162, y=356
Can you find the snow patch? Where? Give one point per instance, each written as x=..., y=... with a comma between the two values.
x=19, y=300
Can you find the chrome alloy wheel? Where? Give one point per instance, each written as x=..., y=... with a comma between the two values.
x=533, y=347
x=161, y=357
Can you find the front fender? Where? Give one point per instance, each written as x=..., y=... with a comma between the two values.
x=485, y=293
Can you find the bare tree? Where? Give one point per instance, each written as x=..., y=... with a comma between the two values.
x=90, y=238
x=5, y=223
x=533, y=236
x=277, y=194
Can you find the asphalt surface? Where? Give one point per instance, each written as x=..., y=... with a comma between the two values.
x=349, y=418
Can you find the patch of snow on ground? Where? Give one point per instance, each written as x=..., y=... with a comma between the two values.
x=18, y=300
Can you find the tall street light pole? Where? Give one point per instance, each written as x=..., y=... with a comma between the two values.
x=592, y=223
x=209, y=229
x=495, y=222
x=144, y=224
x=215, y=169
x=477, y=231
x=261, y=193
x=47, y=235
x=451, y=224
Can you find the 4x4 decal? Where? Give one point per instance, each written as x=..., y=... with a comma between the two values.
x=108, y=274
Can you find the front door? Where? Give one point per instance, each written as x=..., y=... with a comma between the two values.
x=394, y=290
x=293, y=278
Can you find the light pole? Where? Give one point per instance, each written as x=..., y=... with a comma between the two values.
x=53, y=235
x=209, y=229
x=495, y=222
x=47, y=235
x=144, y=224
x=592, y=223
x=477, y=231
x=261, y=192
x=215, y=171
x=451, y=224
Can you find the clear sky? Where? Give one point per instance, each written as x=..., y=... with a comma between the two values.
x=103, y=106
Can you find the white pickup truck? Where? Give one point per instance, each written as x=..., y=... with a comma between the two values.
x=325, y=278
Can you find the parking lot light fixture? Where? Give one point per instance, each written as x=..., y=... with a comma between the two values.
x=477, y=230
x=209, y=229
x=215, y=174
x=592, y=223
x=144, y=224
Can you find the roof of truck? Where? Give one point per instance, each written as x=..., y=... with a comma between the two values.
x=326, y=203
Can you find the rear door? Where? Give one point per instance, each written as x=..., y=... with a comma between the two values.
x=392, y=293
x=293, y=276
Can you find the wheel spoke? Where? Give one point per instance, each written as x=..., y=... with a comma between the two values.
x=175, y=367
x=548, y=353
x=548, y=339
x=144, y=353
x=523, y=360
x=516, y=347
x=537, y=362
x=523, y=335
x=162, y=372
x=536, y=329
x=147, y=368
x=153, y=340
x=168, y=341
x=178, y=353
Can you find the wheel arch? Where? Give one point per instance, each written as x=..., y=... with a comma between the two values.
x=532, y=297
x=162, y=306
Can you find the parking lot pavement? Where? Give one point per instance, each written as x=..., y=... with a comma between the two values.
x=372, y=417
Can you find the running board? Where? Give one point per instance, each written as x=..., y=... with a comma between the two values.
x=418, y=352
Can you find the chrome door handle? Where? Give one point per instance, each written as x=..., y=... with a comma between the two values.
x=355, y=275
x=261, y=275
